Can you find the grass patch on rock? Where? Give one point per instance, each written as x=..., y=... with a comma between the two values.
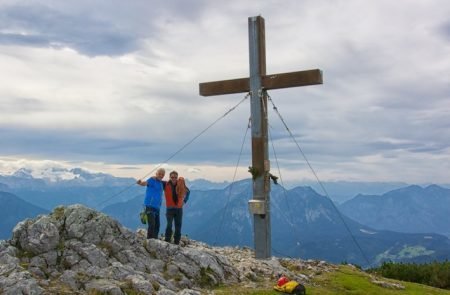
x=346, y=280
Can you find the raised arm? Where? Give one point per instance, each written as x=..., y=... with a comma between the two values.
x=142, y=182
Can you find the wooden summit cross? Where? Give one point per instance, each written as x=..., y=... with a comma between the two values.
x=257, y=85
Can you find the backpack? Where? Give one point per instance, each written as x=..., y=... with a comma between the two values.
x=291, y=287
x=143, y=216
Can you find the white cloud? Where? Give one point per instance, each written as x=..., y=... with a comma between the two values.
x=118, y=83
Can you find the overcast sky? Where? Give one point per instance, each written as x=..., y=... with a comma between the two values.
x=112, y=85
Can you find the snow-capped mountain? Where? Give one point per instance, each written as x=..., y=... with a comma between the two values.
x=53, y=186
x=56, y=176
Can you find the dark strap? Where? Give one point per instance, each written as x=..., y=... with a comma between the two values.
x=174, y=193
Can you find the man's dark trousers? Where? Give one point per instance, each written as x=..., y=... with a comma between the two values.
x=153, y=222
x=174, y=215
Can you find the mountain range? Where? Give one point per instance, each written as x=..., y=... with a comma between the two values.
x=93, y=188
x=56, y=186
x=411, y=209
x=304, y=223
x=341, y=191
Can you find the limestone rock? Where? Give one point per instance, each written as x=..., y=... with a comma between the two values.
x=76, y=249
x=388, y=285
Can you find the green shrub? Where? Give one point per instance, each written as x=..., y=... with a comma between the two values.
x=435, y=274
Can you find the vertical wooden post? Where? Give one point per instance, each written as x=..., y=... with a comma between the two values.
x=260, y=158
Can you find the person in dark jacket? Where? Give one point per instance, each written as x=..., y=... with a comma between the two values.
x=153, y=200
x=176, y=194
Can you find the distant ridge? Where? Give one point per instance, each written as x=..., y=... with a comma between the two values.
x=304, y=224
x=12, y=210
x=411, y=209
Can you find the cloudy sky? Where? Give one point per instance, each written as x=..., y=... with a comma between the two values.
x=112, y=86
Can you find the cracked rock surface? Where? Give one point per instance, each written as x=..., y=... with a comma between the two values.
x=77, y=250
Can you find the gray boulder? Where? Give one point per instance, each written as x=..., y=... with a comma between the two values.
x=77, y=249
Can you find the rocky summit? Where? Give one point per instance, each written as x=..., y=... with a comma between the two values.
x=77, y=250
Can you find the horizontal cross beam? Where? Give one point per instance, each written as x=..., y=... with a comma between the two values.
x=275, y=81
